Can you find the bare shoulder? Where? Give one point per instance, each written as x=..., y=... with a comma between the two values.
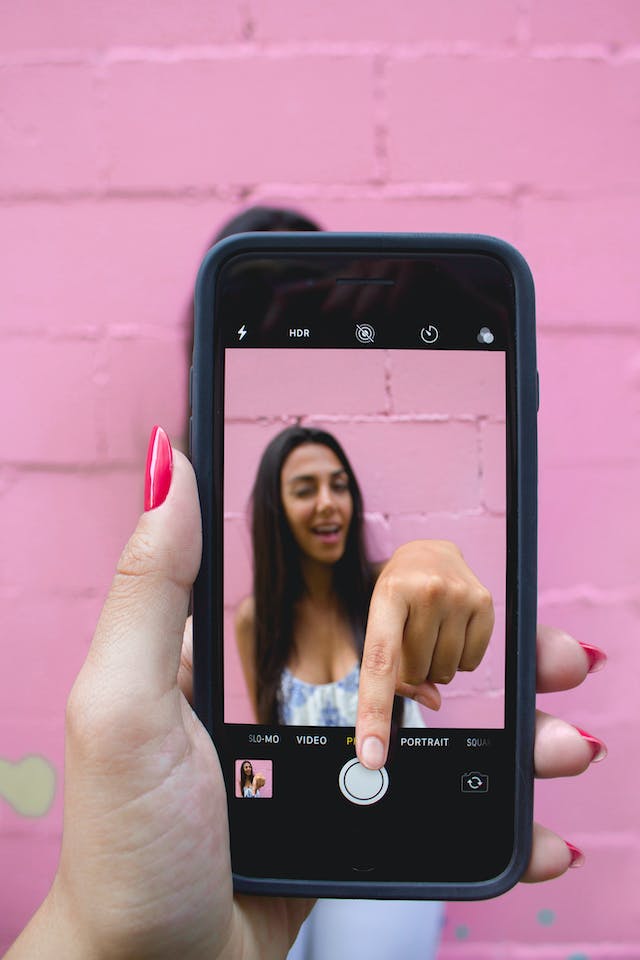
x=245, y=621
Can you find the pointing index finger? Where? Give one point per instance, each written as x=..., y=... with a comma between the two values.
x=379, y=677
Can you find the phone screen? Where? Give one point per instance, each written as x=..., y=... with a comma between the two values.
x=398, y=374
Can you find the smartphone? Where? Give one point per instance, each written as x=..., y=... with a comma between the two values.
x=416, y=354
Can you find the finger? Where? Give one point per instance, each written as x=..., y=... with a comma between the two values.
x=562, y=750
x=448, y=649
x=185, y=670
x=378, y=676
x=563, y=662
x=551, y=856
x=139, y=635
x=420, y=635
x=478, y=633
x=426, y=694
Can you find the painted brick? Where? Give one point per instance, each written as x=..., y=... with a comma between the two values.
x=419, y=214
x=245, y=444
x=581, y=401
x=585, y=534
x=92, y=266
x=561, y=124
x=54, y=521
x=31, y=863
x=147, y=383
x=561, y=22
x=238, y=559
x=582, y=254
x=406, y=467
x=452, y=383
x=49, y=637
x=295, y=383
x=460, y=21
x=238, y=707
x=54, y=386
x=494, y=469
x=175, y=125
x=61, y=25
x=611, y=624
x=603, y=911
x=45, y=149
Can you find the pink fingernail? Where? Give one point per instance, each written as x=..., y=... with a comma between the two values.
x=577, y=856
x=597, y=657
x=598, y=748
x=372, y=753
x=157, y=477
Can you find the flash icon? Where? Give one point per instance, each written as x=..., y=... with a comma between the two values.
x=242, y=332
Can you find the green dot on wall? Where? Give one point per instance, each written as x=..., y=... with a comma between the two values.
x=546, y=918
x=462, y=932
x=578, y=956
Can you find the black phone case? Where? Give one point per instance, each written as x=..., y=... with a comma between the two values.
x=205, y=602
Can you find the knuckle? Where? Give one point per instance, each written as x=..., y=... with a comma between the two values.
x=373, y=714
x=469, y=662
x=484, y=601
x=137, y=559
x=378, y=661
x=440, y=676
x=432, y=589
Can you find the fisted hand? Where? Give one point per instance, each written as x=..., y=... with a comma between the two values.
x=429, y=617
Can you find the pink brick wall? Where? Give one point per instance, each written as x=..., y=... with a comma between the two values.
x=128, y=132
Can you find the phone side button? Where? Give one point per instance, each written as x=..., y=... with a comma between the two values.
x=360, y=785
x=537, y=390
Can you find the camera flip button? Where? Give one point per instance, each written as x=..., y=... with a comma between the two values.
x=360, y=785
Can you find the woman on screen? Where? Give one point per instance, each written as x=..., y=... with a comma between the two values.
x=301, y=633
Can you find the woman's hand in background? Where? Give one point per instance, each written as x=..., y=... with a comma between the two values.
x=429, y=617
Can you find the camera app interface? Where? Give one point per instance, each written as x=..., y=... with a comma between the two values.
x=334, y=460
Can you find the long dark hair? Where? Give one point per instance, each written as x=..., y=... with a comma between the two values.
x=245, y=777
x=277, y=576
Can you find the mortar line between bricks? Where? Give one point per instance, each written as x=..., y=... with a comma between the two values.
x=383, y=417
x=256, y=50
x=12, y=468
x=380, y=120
x=337, y=190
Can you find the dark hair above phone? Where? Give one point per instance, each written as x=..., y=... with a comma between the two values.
x=266, y=219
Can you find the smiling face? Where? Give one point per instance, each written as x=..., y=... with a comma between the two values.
x=314, y=487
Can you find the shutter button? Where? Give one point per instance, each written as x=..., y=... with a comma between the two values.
x=360, y=785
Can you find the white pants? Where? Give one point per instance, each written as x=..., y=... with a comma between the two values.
x=371, y=929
